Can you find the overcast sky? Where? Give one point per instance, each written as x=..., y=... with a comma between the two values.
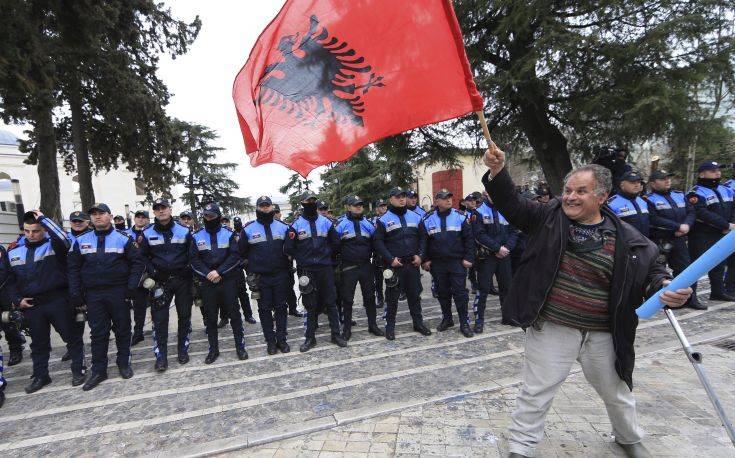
x=201, y=80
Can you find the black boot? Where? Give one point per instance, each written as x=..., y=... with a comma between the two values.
x=211, y=356
x=271, y=348
x=695, y=304
x=16, y=356
x=390, y=331
x=2, y=398
x=126, y=372
x=37, y=383
x=250, y=319
x=77, y=378
x=308, y=344
x=466, y=331
x=347, y=326
x=338, y=340
x=93, y=380
x=479, y=327
x=242, y=354
x=722, y=297
x=137, y=337
x=375, y=330
x=445, y=324
x=283, y=347
x=422, y=329
x=161, y=364
x=183, y=357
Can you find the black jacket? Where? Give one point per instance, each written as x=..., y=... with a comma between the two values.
x=636, y=273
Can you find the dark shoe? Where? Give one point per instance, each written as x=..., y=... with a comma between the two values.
x=222, y=323
x=422, y=329
x=37, y=383
x=376, y=331
x=296, y=313
x=2, y=398
x=722, y=297
x=211, y=356
x=250, y=320
x=466, y=331
x=242, y=354
x=637, y=450
x=16, y=356
x=137, y=338
x=402, y=297
x=161, y=365
x=444, y=325
x=390, y=334
x=271, y=348
x=339, y=341
x=93, y=380
x=66, y=357
x=479, y=327
x=347, y=333
x=308, y=344
x=183, y=357
x=283, y=347
x=77, y=378
x=126, y=372
x=696, y=305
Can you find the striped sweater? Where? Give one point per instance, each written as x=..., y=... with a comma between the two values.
x=580, y=295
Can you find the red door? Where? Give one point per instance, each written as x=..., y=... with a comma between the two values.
x=450, y=180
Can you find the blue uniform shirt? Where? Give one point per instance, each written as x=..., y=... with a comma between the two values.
x=667, y=212
x=262, y=245
x=355, y=238
x=497, y=228
x=446, y=235
x=312, y=241
x=713, y=207
x=632, y=211
x=214, y=251
x=166, y=250
x=397, y=235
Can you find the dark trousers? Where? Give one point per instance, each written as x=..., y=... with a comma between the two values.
x=378, y=276
x=242, y=294
x=59, y=314
x=730, y=275
x=180, y=289
x=409, y=280
x=472, y=275
x=698, y=244
x=272, y=303
x=679, y=258
x=449, y=277
x=14, y=336
x=140, y=307
x=222, y=294
x=291, y=299
x=486, y=268
x=352, y=274
x=322, y=300
x=107, y=309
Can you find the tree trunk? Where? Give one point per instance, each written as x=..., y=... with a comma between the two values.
x=79, y=135
x=192, y=196
x=48, y=170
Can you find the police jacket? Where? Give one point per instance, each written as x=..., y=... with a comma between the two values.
x=214, y=250
x=103, y=259
x=261, y=244
x=311, y=240
x=355, y=238
x=667, y=211
x=479, y=231
x=72, y=236
x=446, y=235
x=421, y=212
x=713, y=207
x=39, y=268
x=632, y=210
x=397, y=234
x=165, y=248
x=135, y=234
x=497, y=228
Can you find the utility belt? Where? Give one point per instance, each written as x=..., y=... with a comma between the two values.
x=664, y=250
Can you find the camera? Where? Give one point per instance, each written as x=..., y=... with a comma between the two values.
x=159, y=298
x=253, y=281
x=15, y=319
x=390, y=277
x=306, y=287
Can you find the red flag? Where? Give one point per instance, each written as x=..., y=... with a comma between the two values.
x=327, y=77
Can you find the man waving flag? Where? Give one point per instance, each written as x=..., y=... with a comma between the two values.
x=327, y=77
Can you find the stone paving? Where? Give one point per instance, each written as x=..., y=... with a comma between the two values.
x=252, y=405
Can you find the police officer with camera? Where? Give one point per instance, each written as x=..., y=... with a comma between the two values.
x=261, y=247
x=628, y=204
x=311, y=241
x=713, y=204
x=165, y=251
x=396, y=239
x=448, y=249
x=105, y=271
x=355, y=234
x=141, y=219
x=37, y=285
x=672, y=217
x=215, y=260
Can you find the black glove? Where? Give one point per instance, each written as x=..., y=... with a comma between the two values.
x=76, y=301
x=130, y=294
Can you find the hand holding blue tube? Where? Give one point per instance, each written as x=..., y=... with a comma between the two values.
x=711, y=258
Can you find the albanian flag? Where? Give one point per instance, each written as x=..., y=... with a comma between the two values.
x=327, y=77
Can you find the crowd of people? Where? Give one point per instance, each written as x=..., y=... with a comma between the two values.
x=101, y=270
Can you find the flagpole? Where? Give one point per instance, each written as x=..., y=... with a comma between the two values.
x=485, y=129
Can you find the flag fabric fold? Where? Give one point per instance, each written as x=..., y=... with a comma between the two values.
x=327, y=77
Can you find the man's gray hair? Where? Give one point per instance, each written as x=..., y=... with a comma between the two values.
x=602, y=176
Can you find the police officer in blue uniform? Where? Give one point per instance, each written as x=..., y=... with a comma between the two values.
x=311, y=241
x=261, y=247
x=713, y=204
x=628, y=204
x=671, y=217
x=291, y=299
x=242, y=285
x=412, y=203
x=355, y=233
x=37, y=284
x=141, y=219
x=165, y=251
x=448, y=249
x=105, y=270
x=215, y=260
x=381, y=206
x=396, y=239
x=495, y=241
